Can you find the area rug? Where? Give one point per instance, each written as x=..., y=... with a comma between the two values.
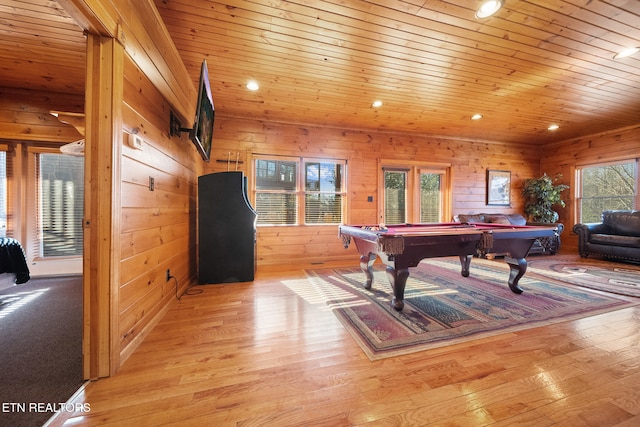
x=443, y=308
x=608, y=276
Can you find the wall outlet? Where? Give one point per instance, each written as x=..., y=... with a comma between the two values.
x=168, y=275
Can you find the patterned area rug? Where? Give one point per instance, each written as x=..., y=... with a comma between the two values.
x=614, y=277
x=443, y=308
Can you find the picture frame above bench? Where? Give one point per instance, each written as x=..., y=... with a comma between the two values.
x=498, y=188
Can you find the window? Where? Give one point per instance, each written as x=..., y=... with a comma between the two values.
x=4, y=196
x=276, y=192
x=395, y=197
x=60, y=204
x=430, y=197
x=605, y=187
x=414, y=194
x=288, y=189
x=323, y=192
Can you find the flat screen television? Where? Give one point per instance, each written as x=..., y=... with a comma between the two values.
x=202, y=131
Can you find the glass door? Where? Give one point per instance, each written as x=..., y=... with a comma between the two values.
x=395, y=197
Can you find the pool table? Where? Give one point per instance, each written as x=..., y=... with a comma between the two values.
x=403, y=246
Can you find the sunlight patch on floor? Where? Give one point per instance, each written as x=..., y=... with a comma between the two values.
x=13, y=302
x=317, y=291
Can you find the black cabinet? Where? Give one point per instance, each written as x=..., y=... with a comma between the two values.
x=226, y=229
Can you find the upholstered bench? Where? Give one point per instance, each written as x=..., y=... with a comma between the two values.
x=546, y=245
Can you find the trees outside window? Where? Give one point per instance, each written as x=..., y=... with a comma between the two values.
x=606, y=187
x=430, y=197
x=395, y=197
x=414, y=193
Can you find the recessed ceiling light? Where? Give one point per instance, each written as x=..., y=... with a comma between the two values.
x=553, y=127
x=627, y=52
x=377, y=103
x=476, y=117
x=253, y=85
x=488, y=8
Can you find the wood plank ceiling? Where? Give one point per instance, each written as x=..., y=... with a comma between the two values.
x=41, y=47
x=323, y=62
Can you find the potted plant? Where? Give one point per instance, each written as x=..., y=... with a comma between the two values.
x=540, y=195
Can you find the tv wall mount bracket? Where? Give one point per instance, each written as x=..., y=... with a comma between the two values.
x=175, y=127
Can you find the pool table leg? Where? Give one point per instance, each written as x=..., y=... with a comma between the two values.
x=398, y=280
x=465, y=262
x=366, y=264
x=517, y=266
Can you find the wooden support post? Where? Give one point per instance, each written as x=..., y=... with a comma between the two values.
x=102, y=199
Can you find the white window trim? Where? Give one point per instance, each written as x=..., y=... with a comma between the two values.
x=578, y=181
x=414, y=169
x=39, y=266
x=300, y=191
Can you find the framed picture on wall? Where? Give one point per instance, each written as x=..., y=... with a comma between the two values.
x=498, y=188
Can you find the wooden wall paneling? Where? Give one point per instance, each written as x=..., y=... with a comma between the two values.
x=567, y=214
x=564, y=157
x=170, y=159
x=137, y=241
x=151, y=217
x=599, y=148
x=139, y=193
x=224, y=156
x=142, y=275
x=147, y=113
x=469, y=161
x=145, y=270
x=157, y=227
x=362, y=174
x=301, y=246
x=150, y=296
x=168, y=72
x=363, y=178
x=135, y=321
x=305, y=244
x=147, y=100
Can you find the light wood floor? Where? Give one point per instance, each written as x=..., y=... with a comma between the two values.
x=260, y=353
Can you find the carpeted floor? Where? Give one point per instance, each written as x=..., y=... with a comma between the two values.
x=444, y=308
x=41, y=356
x=613, y=277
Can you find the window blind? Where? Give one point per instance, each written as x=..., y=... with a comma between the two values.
x=60, y=204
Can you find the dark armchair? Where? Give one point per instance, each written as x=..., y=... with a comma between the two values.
x=616, y=237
